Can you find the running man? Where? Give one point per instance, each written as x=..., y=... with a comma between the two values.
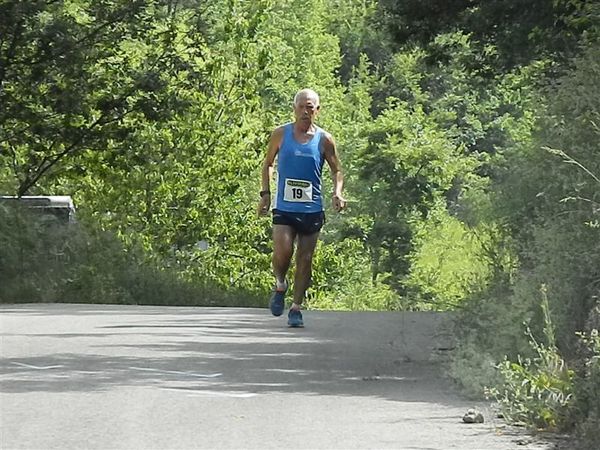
x=301, y=148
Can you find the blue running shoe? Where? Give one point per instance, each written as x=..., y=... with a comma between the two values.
x=277, y=302
x=295, y=319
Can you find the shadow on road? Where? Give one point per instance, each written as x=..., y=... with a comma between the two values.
x=234, y=351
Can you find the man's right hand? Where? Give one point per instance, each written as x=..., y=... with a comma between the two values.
x=264, y=204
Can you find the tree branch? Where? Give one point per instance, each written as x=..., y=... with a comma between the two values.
x=51, y=160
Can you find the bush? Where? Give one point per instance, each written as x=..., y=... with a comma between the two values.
x=587, y=392
x=473, y=369
x=34, y=254
x=536, y=392
x=45, y=261
x=342, y=280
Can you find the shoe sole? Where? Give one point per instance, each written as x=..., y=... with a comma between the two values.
x=274, y=313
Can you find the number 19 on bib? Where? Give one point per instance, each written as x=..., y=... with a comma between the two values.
x=297, y=190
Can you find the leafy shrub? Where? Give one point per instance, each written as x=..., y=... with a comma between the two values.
x=587, y=392
x=446, y=262
x=342, y=280
x=473, y=369
x=536, y=392
x=33, y=256
x=45, y=261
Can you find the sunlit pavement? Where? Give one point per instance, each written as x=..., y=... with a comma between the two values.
x=135, y=377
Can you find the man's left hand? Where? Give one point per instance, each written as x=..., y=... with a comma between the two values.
x=338, y=202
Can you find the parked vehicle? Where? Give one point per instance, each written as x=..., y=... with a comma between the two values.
x=59, y=206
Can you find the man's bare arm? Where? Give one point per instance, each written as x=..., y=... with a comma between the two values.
x=267, y=169
x=331, y=156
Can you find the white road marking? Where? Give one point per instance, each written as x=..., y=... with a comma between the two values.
x=197, y=393
x=29, y=366
x=176, y=372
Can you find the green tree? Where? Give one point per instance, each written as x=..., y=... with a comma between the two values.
x=72, y=72
x=521, y=33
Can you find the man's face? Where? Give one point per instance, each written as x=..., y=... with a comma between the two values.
x=306, y=109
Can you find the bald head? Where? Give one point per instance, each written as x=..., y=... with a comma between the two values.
x=306, y=94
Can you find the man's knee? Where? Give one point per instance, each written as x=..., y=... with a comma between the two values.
x=304, y=258
x=283, y=252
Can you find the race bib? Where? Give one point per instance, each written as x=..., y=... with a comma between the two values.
x=297, y=190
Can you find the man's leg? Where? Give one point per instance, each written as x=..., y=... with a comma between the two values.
x=283, y=249
x=304, y=256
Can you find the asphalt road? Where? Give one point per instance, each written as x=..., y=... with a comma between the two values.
x=133, y=377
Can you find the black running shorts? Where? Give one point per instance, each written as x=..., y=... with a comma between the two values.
x=303, y=223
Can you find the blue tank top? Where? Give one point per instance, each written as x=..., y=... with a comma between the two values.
x=299, y=168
